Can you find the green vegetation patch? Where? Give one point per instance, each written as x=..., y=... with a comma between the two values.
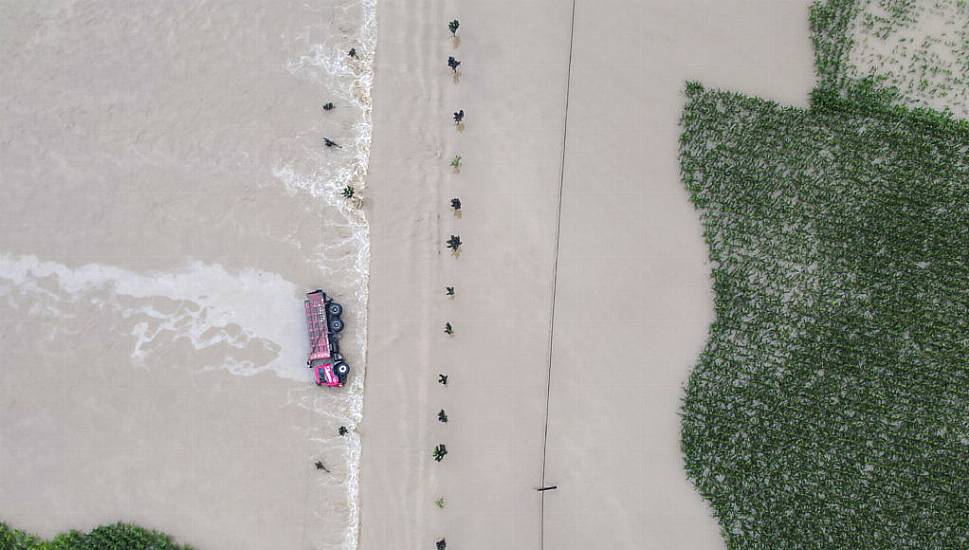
x=830, y=407
x=915, y=52
x=119, y=536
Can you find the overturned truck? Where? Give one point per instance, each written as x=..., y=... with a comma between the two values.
x=323, y=324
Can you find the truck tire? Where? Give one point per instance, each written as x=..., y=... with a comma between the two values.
x=341, y=369
x=336, y=325
x=335, y=309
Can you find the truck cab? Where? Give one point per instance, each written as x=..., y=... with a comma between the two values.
x=323, y=324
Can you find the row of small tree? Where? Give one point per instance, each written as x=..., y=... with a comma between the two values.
x=453, y=243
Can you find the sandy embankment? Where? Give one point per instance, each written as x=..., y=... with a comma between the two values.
x=515, y=58
x=633, y=298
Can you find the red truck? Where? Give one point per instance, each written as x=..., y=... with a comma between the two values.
x=323, y=323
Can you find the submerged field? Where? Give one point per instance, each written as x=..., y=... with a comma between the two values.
x=830, y=407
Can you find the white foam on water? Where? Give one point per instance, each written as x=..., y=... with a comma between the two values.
x=244, y=309
x=349, y=81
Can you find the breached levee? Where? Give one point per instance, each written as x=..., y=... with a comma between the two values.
x=349, y=80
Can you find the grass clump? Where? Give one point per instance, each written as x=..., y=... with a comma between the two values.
x=118, y=536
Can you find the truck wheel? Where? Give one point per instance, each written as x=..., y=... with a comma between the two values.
x=341, y=369
x=335, y=309
x=336, y=325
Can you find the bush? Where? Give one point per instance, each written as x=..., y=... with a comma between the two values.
x=119, y=536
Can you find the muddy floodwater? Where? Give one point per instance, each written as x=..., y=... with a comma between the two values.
x=165, y=202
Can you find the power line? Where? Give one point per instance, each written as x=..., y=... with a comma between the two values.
x=555, y=274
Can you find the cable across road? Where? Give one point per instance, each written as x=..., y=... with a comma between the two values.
x=555, y=270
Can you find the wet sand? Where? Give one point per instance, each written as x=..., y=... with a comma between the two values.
x=632, y=300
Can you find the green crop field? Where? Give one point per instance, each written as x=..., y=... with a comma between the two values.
x=830, y=407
